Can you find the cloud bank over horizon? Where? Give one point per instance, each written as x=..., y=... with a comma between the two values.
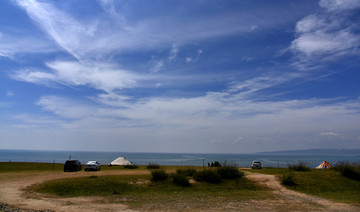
x=220, y=77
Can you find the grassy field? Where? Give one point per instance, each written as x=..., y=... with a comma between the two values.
x=326, y=183
x=10, y=167
x=138, y=191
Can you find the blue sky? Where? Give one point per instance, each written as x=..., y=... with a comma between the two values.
x=179, y=76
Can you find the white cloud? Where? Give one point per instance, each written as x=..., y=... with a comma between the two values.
x=256, y=84
x=215, y=116
x=93, y=39
x=214, y=110
x=11, y=44
x=34, y=76
x=70, y=34
x=157, y=66
x=339, y=5
x=329, y=134
x=113, y=99
x=253, y=27
x=100, y=76
x=173, y=52
x=326, y=36
x=109, y=7
x=188, y=59
x=10, y=93
x=320, y=43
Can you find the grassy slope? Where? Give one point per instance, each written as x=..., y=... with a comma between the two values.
x=324, y=183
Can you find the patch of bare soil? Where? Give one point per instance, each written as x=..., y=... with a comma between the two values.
x=294, y=201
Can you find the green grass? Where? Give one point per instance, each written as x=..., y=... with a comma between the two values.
x=325, y=183
x=138, y=191
x=7, y=167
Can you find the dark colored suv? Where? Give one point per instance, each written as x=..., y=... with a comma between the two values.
x=72, y=166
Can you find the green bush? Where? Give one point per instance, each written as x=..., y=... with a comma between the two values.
x=153, y=166
x=187, y=172
x=208, y=176
x=229, y=172
x=158, y=175
x=349, y=171
x=181, y=179
x=301, y=167
x=132, y=166
x=288, y=180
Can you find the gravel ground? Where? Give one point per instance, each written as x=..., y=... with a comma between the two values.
x=8, y=208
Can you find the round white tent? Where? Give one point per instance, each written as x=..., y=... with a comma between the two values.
x=120, y=161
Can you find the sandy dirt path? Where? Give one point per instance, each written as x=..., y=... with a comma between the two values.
x=13, y=185
x=305, y=202
x=12, y=192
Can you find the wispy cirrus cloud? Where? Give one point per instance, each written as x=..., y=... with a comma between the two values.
x=67, y=32
x=93, y=39
x=11, y=45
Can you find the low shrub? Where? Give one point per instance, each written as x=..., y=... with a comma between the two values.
x=187, y=172
x=288, y=180
x=181, y=179
x=349, y=171
x=301, y=167
x=158, y=175
x=132, y=166
x=153, y=166
x=208, y=176
x=229, y=172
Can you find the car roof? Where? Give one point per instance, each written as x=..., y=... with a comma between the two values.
x=92, y=161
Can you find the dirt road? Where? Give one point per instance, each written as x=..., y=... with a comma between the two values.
x=304, y=202
x=13, y=185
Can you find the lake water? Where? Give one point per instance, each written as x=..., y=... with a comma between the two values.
x=176, y=159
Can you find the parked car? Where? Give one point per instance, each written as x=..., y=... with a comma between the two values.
x=72, y=166
x=92, y=165
x=256, y=164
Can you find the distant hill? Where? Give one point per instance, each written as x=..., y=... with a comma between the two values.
x=316, y=152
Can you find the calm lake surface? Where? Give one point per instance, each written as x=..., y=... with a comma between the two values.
x=178, y=159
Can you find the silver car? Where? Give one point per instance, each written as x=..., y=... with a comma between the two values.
x=92, y=166
x=256, y=164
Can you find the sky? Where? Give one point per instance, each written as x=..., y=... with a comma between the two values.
x=179, y=76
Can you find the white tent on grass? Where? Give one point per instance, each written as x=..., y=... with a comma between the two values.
x=120, y=161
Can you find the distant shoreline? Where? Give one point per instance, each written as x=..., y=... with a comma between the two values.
x=268, y=159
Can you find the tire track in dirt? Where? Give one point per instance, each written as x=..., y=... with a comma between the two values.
x=307, y=202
